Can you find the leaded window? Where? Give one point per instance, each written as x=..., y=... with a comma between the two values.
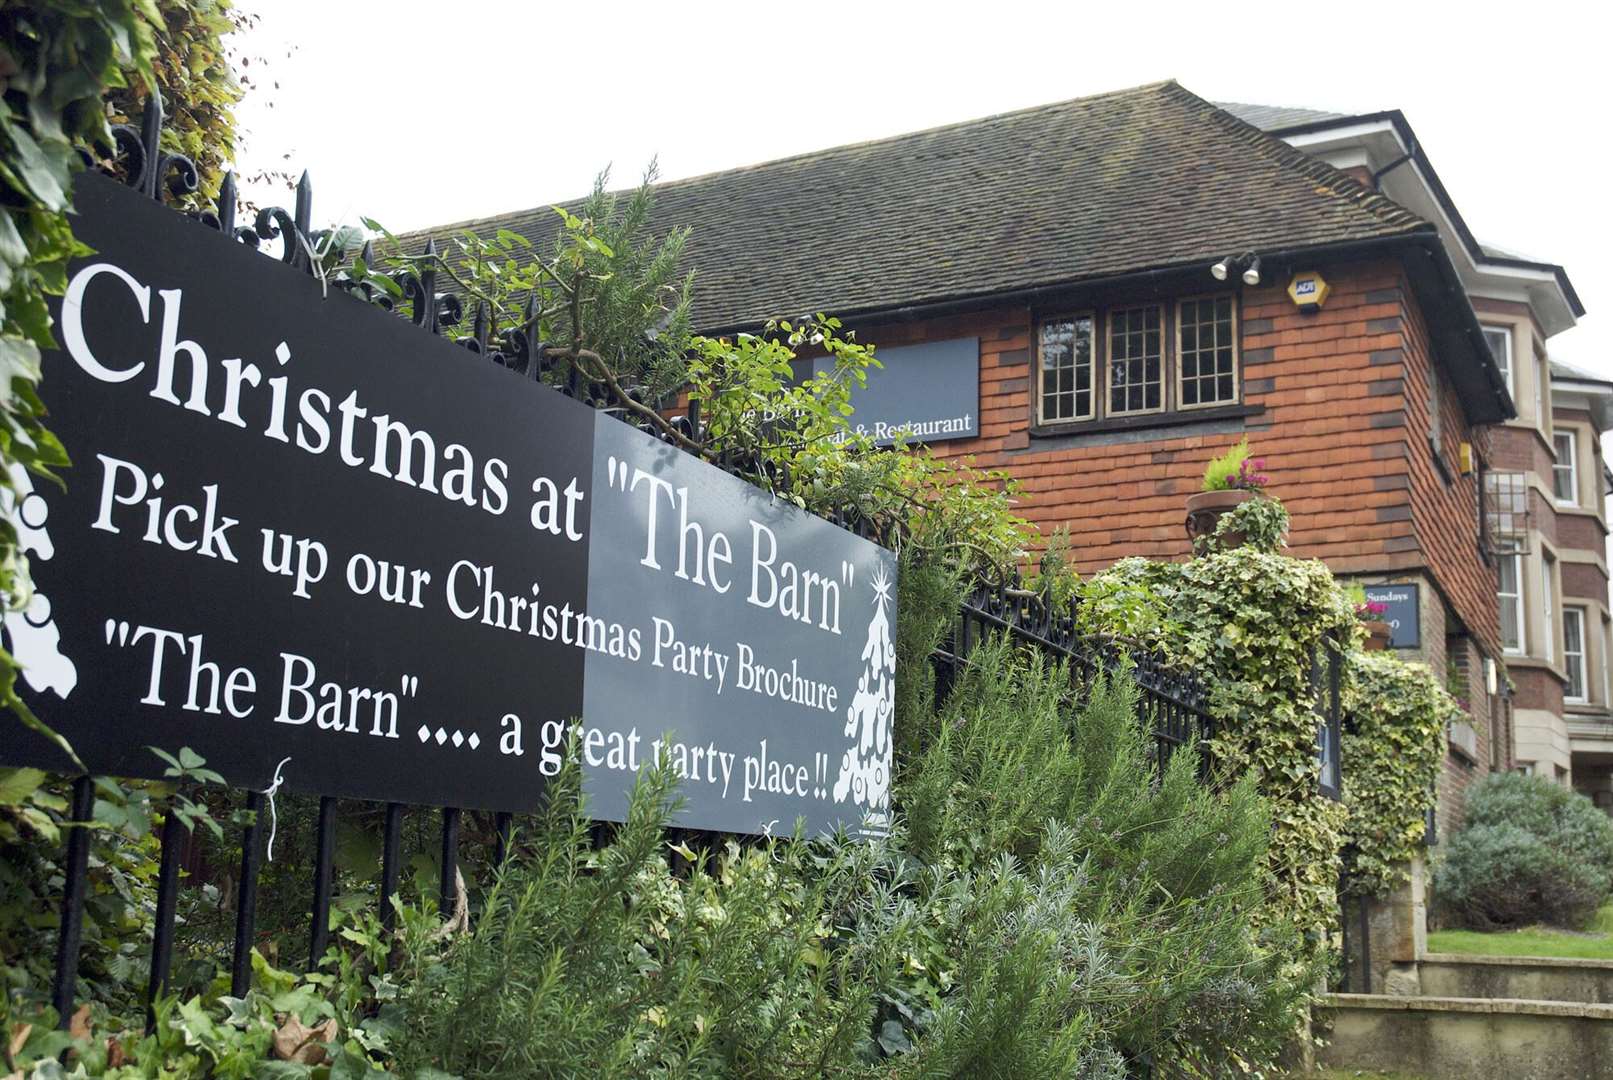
x=1207, y=352
x=1064, y=358
x=1136, y=360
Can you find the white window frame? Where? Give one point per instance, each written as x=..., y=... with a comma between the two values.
x=1571, y=465
x=1547, y=565
x=1164, y=361
x=1237, y=353
x=1605, y=659
x=1542, y=421
x=1514, y=560
x=1092, y=369
x=1579, y=659
x=1504, y=361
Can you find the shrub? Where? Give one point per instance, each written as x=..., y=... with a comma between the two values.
x=1054, y=907
x=1530, y=851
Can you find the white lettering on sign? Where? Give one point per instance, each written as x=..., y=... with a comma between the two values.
x=240, y=396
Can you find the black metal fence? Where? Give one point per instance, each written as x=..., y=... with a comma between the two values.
x=1171, y=703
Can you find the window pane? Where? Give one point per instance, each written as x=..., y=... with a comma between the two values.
x=1511, y=604
x=1064, y=348
x=1549, y=651
x=1563, y=473
x=1135, y=363
x=1574, y=653
x=1500, y=342
x=1207, y=351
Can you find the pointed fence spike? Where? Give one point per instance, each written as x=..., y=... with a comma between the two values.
x=151, y=141
x=227, y=199
x=303, y=215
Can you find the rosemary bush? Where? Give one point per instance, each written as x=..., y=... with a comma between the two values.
x=1051, y=907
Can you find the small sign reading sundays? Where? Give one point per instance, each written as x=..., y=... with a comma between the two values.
x=299, y=534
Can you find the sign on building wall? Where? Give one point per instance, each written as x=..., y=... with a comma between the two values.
x=300, y=536
x=1404, y=616
x=923, y=393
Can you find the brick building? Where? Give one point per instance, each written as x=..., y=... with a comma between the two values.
x=1118, y=269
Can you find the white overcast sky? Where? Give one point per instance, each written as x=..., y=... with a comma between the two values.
x=419, y=113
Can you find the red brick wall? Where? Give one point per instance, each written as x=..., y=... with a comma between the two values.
x=1579, y=531
x=1518, y=449
x=1444, y=502
x=1585, y=581
x=1344, y=435
x=1536, y=688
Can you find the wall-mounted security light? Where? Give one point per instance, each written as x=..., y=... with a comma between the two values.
x=1249, y=262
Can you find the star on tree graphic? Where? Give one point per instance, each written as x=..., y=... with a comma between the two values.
x=865, y=769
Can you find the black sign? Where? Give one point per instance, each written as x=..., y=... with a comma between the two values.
x=303, y=537
x=1403, y=614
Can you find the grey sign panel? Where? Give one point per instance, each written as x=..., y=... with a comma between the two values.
x=765, y=669
x=927, y=393
x=1404, y=615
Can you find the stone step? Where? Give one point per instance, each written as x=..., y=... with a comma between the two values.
x=1459, y=1038
x=1539, y=978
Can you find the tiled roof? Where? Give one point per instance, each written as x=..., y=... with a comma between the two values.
x=1139, y=179
x=1276, y=117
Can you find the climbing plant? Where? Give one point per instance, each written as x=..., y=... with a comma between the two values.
x=1250, y=623
x=1393, y=749
x=56, y=61
x=194, y=68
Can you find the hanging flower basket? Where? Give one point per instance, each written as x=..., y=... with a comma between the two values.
x=1205, y=509
x=1378, y=635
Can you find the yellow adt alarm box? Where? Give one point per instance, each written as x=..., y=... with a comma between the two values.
x=1308, y=291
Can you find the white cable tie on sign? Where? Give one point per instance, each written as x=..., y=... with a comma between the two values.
x=274, y=817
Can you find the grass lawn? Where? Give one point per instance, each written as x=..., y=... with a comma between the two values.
x=1595, y=943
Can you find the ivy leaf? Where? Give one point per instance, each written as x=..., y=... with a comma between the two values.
x=43, y=169
x=892, y=1039
x=17, y=784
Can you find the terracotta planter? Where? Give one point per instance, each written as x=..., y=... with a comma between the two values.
x=1204, y=510
x=1378, y=635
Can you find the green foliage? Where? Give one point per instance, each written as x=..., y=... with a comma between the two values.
x=57, y=60
x=1223, y=470
x=1056, y=910
x=1529, y=851
x=607, y=297
x=1250, y=623
x=1393, y=751
x=192, y=68
x=1260, y=522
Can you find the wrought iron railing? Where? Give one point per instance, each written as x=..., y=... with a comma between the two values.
x=1171, y=704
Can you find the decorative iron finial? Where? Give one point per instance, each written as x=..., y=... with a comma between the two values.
x=145, y=164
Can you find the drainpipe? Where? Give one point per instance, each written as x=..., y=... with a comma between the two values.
x=1395, y=164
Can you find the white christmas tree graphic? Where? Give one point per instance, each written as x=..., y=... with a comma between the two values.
x=31, y=632
x=865, y=770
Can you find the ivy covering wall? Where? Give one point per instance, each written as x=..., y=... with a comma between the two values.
x=1393, y=750
x=1251, y=623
